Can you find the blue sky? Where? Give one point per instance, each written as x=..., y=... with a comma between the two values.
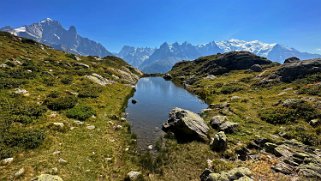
x=295, y=23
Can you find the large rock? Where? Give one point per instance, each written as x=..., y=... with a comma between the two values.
x=292, y=60
x=98, y=79
x=256, y=68
x=186, y=125
x=240, y=173
x=223, y=124
x=219, y=142
x=134, y=176
x=292, y=71
x=47, y=177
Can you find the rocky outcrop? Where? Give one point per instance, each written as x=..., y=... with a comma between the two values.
x=186, y=125
x=240, y=173
x=222, y=123
x=292, y=60
x=256, y=68
x=98, y=79
x=294, y=157
x=234, y=61
x=292, y=71
x=219, y=142
x=167, y=77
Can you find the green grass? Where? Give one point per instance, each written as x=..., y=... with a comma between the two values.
x=59, y=92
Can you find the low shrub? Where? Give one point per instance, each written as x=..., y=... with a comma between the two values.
x=277, y=115
x=312, y=90
x=80, y=112
x=60, y=103
x=66, y=80
x=8, y=83
x=229, y=89
x=24, y=139
x=89, y=91
x=289, y=113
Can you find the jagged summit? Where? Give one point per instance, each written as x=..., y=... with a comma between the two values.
x=52, y=33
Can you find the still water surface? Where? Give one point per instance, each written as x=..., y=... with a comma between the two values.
x=155, y=98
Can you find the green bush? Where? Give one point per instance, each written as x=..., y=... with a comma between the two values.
x=229, y=89
x=289, y=113
x=66, y=80
x=89, y=91
x=24, y=139
x=8, y=83
x=80, y=112
x=277, y=115
x=312, y=90
x=61, y=103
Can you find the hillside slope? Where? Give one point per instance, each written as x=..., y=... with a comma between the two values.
x=271, y=117
x=62, y=113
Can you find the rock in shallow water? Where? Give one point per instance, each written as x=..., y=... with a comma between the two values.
x=186, y=125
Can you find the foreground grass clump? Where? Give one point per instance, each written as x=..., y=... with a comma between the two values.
x=80, y=112
x=289, y=113
x=60, y=102
x=18, y=140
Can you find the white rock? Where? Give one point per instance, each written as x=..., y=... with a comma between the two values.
x=91, y=127
x=56, y=152
x=62, y=161
x=150, y=147
x=7, y=161
x=19, y=173
x=134, y=175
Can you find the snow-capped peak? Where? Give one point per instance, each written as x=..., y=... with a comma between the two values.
x=254, y=46
x=46, y=20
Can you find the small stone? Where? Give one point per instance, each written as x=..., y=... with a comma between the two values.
x=134, y=101
x=54, y=171
x=235, y=98
x=315, y=122
x=118, y=127
x=91, y=127
x=60, y=125
x=19, y=173
x=123, y=119
x=109, y=159
x=134, y=176
x=7, y=161
x=56, y=152
x=78, y=122
x=62, y=161
x=47, y=177
x=219, y=142
x=150, y=147
x=23, y=92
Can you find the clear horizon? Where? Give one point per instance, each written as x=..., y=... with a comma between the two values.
x=142, y=23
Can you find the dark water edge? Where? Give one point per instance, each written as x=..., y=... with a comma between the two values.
x=155, y=98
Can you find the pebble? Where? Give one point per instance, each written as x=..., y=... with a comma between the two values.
x=7, y=161
x=56, y=152
x=19, y=173
x=150, y=147
x=91, y=127
x=62, y=161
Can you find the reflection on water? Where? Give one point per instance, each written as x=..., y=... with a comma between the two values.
x=155, y=98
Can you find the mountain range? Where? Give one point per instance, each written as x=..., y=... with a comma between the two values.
x=52, y=33
x=163, y=58
x=150, y=60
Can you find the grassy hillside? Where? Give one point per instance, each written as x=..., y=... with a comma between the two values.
x=62, y=114
x=257, y=105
